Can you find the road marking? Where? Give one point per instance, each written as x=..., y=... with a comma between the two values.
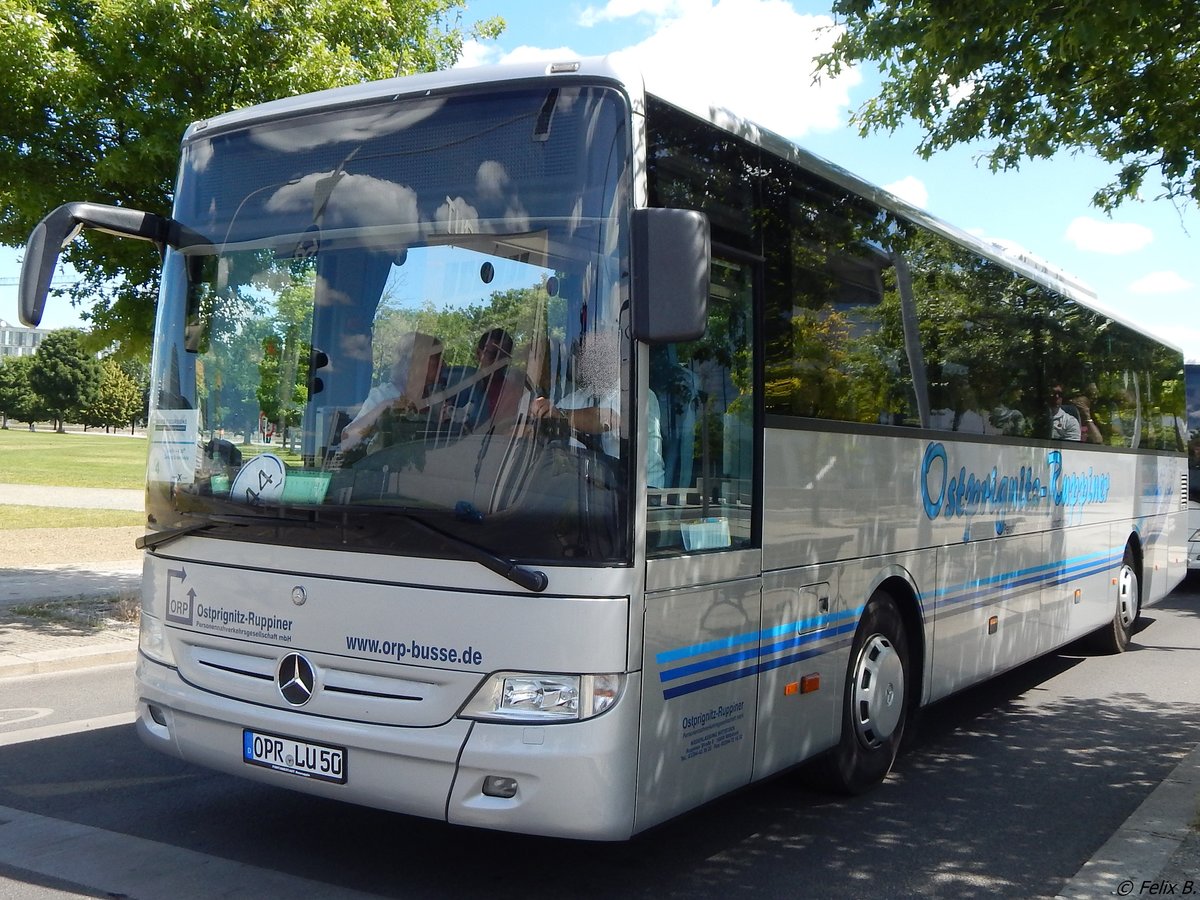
x=58, y=730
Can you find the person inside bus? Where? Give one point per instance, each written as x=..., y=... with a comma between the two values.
x=1089, y=430
x=414, y=376
x=1064, y=418
x=497, y=395
x=594, y=407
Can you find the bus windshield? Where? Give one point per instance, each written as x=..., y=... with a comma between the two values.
x=400, y=327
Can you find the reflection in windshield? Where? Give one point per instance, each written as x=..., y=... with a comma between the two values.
x=388, y=294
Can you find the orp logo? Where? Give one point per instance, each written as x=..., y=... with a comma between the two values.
x=181, y=603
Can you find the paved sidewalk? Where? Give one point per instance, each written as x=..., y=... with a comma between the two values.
x=63, y=582
x=62, y=636
x=50, y=619
x=76, y=497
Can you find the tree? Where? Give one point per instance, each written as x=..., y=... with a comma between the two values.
x=65, y=374
x=14, y=381
x=118, y=398
x=97, y=95
x=283, y=376
x=18, y=399
x=1116, y=79
x=138, y=371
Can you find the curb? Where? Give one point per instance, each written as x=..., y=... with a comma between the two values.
x=13, y=665
x=1144, y=846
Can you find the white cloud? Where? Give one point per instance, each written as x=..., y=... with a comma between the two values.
x=491, y=179
x=525, y=53
x=961, y=91
x=1115, y=238
x=352, y=201
x=476, y=53
x=752, y=56
x=911, y=189
x=625, y=9
x=1166, y=282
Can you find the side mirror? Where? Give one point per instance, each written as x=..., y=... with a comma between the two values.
x=672, y=254
x=59, y=228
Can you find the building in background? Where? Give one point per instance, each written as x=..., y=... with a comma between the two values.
x=17, y=340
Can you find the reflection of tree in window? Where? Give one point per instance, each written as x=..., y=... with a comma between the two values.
x=970, y=330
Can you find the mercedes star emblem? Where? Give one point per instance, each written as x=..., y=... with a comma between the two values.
x=296, y=679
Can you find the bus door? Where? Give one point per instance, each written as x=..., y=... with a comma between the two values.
x=703, y=613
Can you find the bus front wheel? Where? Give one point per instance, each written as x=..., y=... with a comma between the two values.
x=875, y=703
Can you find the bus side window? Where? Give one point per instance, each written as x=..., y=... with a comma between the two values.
x=705, y=392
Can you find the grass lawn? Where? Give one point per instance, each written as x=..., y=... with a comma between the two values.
x=71, y=460
x=289, y=458
x=89, y=460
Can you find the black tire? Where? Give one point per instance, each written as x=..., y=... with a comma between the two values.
x=875, y=702
x=1115, y=636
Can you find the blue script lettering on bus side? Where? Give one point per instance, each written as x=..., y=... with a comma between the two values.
x=973, y=494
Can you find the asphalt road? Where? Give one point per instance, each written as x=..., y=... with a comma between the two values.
x=1007, y=790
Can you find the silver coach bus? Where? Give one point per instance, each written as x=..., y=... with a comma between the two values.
x=531, y=452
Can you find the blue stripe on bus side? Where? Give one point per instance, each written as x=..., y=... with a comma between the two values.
x=717, y=662
x=745, y=672
x=825, y=634
x=755, y=637
x=958, y=598
x=1033, y=574
x=695, y=649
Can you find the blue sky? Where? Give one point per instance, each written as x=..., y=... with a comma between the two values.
x=754, y=56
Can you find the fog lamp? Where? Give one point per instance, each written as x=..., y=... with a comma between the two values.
x=500, y=786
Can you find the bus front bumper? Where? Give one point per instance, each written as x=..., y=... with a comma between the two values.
x=573, y=780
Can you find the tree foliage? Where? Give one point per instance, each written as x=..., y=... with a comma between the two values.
x=65, y=374
x=97, y=94
x=1030, y=79
x=18, y=399
x=118, y=399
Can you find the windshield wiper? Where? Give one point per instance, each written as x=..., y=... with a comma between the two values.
x=530, y=579
x=158, y=538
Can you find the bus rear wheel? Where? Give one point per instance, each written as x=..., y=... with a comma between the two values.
x=875, y=703
x=1115, y=636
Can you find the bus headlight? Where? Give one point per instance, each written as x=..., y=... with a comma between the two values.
x=152, y=640
x=537, y=698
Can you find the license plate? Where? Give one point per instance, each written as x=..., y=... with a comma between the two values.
x=304, y=758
